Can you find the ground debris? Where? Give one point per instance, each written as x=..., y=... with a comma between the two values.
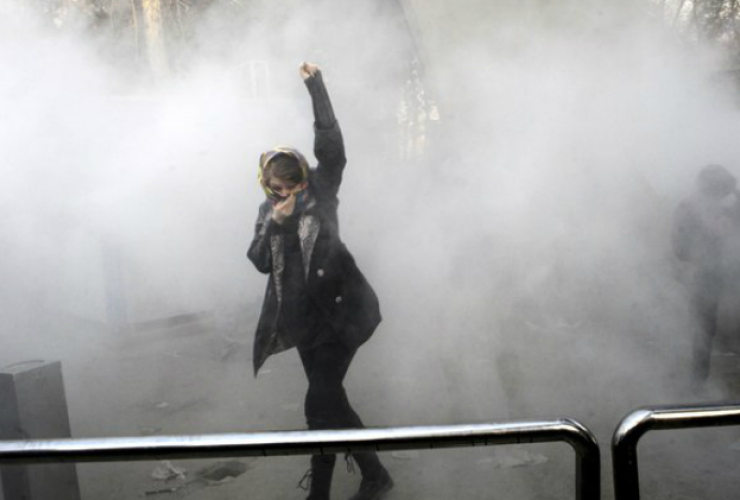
x=211, y=475
x=161, y=491
x=221, y=471
x=167, y=472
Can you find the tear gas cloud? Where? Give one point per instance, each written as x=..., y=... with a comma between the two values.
x=521, y=255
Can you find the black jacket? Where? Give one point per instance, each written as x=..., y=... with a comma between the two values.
x=338, y=290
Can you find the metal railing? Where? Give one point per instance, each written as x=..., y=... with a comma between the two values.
x=588, y=462
x=640, y=421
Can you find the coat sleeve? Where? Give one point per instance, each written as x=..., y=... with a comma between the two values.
x=259, y=250
x=328, y=141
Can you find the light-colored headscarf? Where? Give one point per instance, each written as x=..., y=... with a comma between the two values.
x=267, y=157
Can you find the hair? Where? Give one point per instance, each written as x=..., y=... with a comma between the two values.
x=715, y=180
x=285, y=167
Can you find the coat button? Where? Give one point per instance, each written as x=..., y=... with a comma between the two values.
x=338, y=299
x=320, y=272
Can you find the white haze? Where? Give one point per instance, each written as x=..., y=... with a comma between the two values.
x=523, y=264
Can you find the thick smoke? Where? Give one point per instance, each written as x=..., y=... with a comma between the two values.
x=521, y=253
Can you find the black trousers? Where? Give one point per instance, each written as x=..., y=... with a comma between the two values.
x=327, y=407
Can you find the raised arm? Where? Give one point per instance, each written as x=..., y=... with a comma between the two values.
x=328, y=142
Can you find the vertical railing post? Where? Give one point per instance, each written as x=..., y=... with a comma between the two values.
x=588, y=461
x=638, y=422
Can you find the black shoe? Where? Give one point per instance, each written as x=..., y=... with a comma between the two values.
x=316, y=496
x=374, y=489
x=318, y=478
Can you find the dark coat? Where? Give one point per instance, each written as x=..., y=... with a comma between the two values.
x=698, y=232
x=338, y=289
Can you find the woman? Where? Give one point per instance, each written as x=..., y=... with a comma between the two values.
x=317, y=300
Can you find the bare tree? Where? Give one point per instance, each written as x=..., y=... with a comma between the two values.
x=711, y=21
x=152, y=13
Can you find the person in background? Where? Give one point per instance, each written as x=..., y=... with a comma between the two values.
x=316, y=300
x=705, y=226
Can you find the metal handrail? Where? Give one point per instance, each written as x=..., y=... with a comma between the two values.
x=638, y=422
x=280, y=443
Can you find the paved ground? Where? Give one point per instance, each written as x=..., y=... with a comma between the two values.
x=206, y=386
x=198, y=379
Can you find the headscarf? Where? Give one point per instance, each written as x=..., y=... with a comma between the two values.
x=268, y=156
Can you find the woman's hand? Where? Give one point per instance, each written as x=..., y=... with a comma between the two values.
x=307, y=70
x=284, y=209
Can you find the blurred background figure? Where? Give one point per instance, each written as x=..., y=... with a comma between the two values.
x=706, y=230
